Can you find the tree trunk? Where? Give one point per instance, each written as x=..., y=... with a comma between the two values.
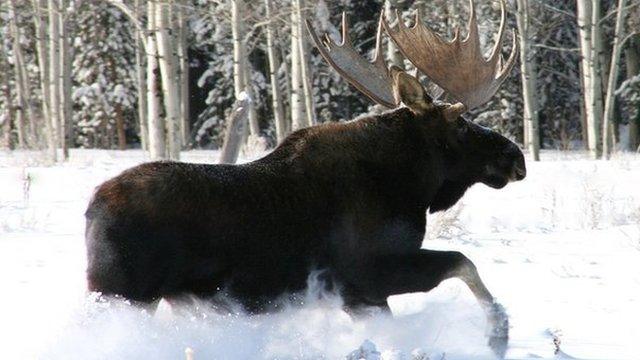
x=597, y=72
x=8, y=118
x=168, y=73
x=633, y=69
x=183, y=58
x=287, y=89
x=588, y=71
x=305, y=70
x=527, y=71
x=142, y=99
x=274, y=65
x=611, y=83
x=65, y=81
x=43, y=67
x=157, y=149
x=234, y=132
x=393, y=54
x=122, y=139
x=298, y=115
x=23, y=113
x=54, y=72
x=239, y=61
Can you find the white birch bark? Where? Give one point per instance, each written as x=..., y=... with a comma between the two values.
x=274, y=65
x=54, y=72
x=596, y=74
x=8, y=117
x=586, y=50
x=183, y=59
x=298, y=115
x=239, y=68
x=141, y=81
x=393, y=54
x=305, y=69
x=611, y=83
x=234, y=130
x=527, y=72
x=287, y=89
x=66, y=57
x=23, y=113
x=633, y=68
x=43, y=68
x=157, y=148
x=167, y=64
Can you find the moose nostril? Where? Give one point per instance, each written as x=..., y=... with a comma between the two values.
x=520, y=171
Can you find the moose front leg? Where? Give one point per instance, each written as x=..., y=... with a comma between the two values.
x=424, y=270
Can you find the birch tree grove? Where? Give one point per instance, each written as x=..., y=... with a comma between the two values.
x=528, y=74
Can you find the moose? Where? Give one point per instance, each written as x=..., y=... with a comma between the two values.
x=349, y=198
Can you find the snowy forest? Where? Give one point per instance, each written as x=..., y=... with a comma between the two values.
x=164, y=76
x=539, y=218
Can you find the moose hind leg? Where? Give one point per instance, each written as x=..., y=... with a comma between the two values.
x=424, y=270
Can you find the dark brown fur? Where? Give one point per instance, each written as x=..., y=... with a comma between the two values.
x=349, y=198
x=334, y=196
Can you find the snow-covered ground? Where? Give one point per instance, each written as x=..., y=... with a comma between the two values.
x=560, y=250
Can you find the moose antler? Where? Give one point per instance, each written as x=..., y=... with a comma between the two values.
x=371, y=78
x=456, y=66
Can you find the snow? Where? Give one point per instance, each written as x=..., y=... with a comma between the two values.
x=560, y=250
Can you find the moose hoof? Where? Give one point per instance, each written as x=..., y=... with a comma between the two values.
x=498, y=330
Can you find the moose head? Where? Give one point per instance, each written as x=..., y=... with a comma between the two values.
x=471, y=153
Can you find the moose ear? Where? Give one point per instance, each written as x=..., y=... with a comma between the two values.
x=407, y=88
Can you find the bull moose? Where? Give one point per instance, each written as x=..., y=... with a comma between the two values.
x=350, y=198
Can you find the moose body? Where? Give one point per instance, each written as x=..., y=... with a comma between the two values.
x=346, y=198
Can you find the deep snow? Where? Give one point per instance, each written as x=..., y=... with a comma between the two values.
x=560, y=250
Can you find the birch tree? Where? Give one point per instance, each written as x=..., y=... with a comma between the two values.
x=157, y=149
x=527, y=72
x=632, y=55
x=590, y=84
x=6, y=119
x=168, y=70
x=65, y=19
x=23, y=111
x=274, y=65
x=393, y=54
x=183, y=67
x=54, y=72
x=236, y=122
x=613, y=76
x=43, y=69
x=239, y=68
x=305, y=70
x=141, y=81
x=298, y=115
